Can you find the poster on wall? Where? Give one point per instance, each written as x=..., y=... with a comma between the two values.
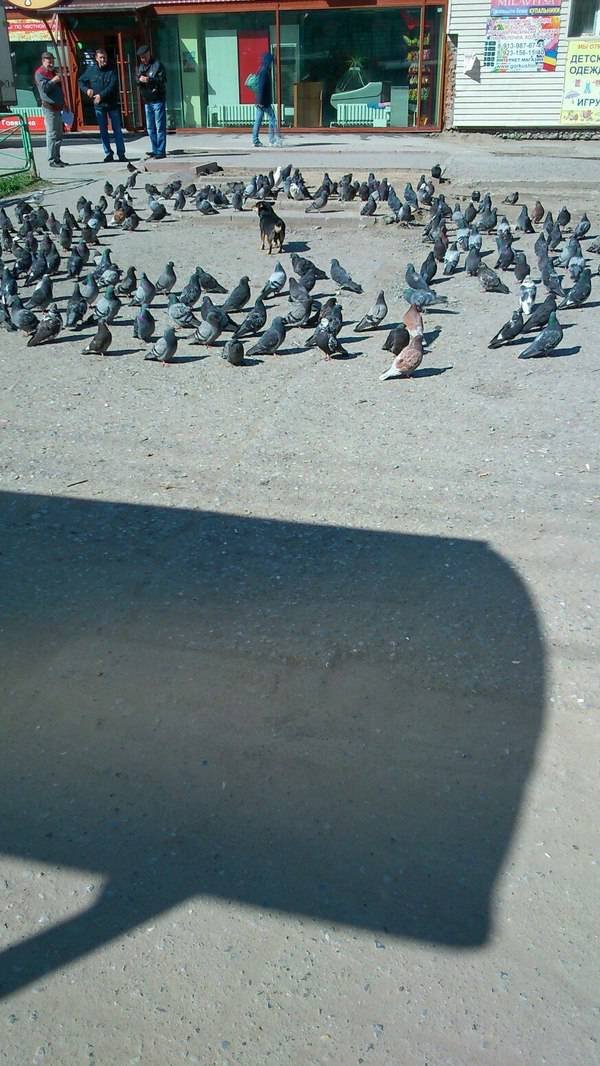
x=581, y=97
x=521, y=45
x=28, y=30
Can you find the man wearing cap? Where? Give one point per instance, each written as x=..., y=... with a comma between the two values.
x=152, y=80
x=49, y=86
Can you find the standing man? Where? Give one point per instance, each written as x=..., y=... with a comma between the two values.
x=264, y=102
x=49, y=86
x=152, y=80
x=99, y=81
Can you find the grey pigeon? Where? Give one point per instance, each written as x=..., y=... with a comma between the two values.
x=233, y=352
x=157, y=213
x=423, y=298
x=275, y=283
x=42, y=296
x=369, y=208
x=419, y=281
x=508, y=331
x=473, y=262
x=207, y=282
x=107, y=306
x=144, y=325
x=180, y=201
x=76, y=309
x=319, y=202
x=374, y=316
x=89, y=289
x=209, y=329
x=253, y=322
x=451, y=259
x=191, y=292
x=25, y=320
x=181, y=315
x=580, y=291
x=205, y=207
x=226, y=322
x=163, y=351
x=523, y=222
x=342, y=278
x=540, y=316
x=302, y=266
x=271, y=340
x=239, y=296
x=329, y=344
x=546, y=341
x=167, y=278
x=522, y=268
x=49, y=328
x=128, y=284
x=490, y=282
x=563, y=217
x=100, y=342
x=145, y=292
x=582, y=227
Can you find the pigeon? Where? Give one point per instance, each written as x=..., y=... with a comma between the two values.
x=49, y=327
x=419, y=281
x=163, y=351
x=538, y=212
x=180, y=201
x=253, y=322
x=563, y=217
x=473, y=262
x=239, y=296
x=275, y=282
x=374, y=316
x=271, y=340
x=237, y=200
x=545, y=342
x=76, y=309
x=451, y=259
x=89, y=289
x=180, y=314
x=342, y=278
x=107, y=306
x=208, y=283
x=166, y=279
x=42, y=296
x=143, y=325
x=523, y=222
x=509, y=330
x=369, y=208
x=396, y=340
x=511, y=198
x=157, y=213
x=436, y=172
x=191, y=292
x=527, y=295
x=423, y=298
x=100, y=342
x=129, y=283
x=428, y=271
x=226, y=322
x=145, y=292
x=21, y=318
x=522, y=268
x=319, y=202
x=205, y=207
x=298, y=293
x=490, y=282
x=131, y=223
x=540, y=315
x=413, y=320
x=328, y=343
x=579, y=293
x=209, y=329
x=407, y=361
x=506, y=257
x=233, y=352
x=582, y=227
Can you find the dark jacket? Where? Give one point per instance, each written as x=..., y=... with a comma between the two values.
x=264, y=90
x=51, y=96
x=104, y=82
x=155, y=90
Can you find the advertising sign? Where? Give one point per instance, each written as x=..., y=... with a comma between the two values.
x=28, y=30
x=523, y=8
x=520, y=45
x=581, y=97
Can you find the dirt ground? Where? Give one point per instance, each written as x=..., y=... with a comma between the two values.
x=300, y=737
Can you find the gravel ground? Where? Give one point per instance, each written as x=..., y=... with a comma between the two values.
x=301, y=753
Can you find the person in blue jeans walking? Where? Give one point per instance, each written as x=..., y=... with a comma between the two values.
x=100, y=83
x=152, y=80
x=264, y=102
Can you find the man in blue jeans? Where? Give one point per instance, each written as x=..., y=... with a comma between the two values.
x=152, y=80
x=100, y=83
x=264, y=102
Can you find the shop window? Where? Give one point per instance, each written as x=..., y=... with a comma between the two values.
x=585, y=18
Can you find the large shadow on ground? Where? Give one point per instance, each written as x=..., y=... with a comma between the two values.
x=326, y=721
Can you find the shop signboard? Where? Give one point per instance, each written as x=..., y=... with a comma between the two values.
x=521, y=45
x=35, y=123
x=581, y=96
x=28, y=30
x=524, y=9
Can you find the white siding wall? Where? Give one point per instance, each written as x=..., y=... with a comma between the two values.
x=499, y=100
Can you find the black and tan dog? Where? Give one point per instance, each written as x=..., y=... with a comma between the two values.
x=272, y=227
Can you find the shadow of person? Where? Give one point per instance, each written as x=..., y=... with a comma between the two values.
x=325, y=721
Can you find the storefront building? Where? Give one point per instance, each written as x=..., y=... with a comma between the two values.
x=338, y=65
x=522, y=64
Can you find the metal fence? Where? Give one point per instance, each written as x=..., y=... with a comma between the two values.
x=16, y=152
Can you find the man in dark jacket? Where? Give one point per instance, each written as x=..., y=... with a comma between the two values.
x=49, y=87
x=152, y=80
x=264, y=102
x=99, y=81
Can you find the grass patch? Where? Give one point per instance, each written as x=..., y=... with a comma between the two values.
x=13, y=183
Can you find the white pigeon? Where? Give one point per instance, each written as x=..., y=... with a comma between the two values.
x=527, y=295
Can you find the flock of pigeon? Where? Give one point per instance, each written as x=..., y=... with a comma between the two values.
x=35, y=240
